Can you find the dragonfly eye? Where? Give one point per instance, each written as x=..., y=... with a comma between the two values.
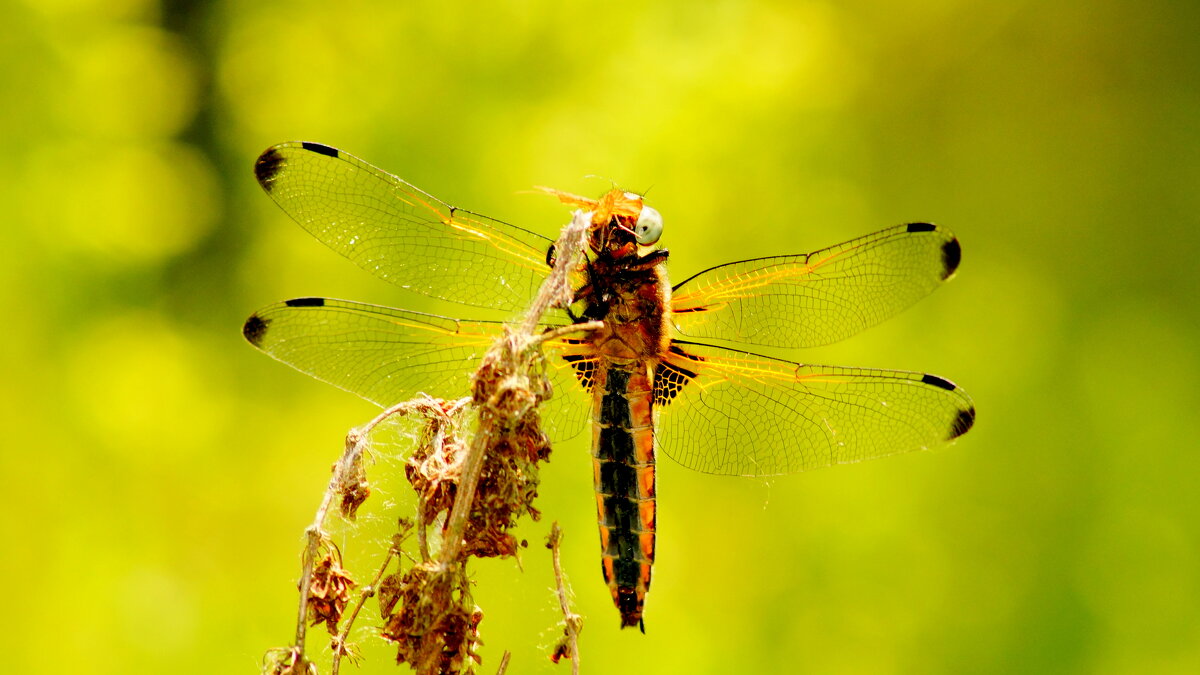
x=649, y=226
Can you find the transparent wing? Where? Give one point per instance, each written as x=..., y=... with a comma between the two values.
x=389, y=355
x=401, y=234
x=728, y=412
x=819, y=298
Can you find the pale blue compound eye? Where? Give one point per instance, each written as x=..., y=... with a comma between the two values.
x=649, y=226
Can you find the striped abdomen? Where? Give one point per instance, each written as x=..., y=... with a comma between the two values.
x=623, y=460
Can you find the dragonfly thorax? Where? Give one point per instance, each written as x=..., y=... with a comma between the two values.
x=631, y=296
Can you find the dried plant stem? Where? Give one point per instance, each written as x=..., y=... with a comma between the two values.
x=422, y=535
x=465, y=496
x=574, y=623
x=504, y=662
x=367, y=592
x=555, y=291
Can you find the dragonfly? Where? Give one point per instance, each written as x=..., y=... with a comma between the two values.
x=649, y=378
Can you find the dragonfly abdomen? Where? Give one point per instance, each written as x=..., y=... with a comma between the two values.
x=623, y=462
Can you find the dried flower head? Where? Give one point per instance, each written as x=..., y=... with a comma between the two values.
x=328, y=593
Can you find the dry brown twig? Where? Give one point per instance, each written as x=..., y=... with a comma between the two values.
x=427, y=610
x=568, y=645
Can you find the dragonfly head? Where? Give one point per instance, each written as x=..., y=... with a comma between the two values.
x=621, y=224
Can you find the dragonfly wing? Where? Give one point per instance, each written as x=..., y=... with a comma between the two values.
x=388, y=355
x=401, y=234
x=819, y=298
x=734, y=413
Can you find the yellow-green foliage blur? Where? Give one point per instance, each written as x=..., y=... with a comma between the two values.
x=159, y=471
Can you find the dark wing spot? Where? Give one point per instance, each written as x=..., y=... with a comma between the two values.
x=267, y=167
x=677, y=350
x=305, y=302
x=938, y=382
x=669, y=380
x=254, y=329
x=963, y=421
x=951, y=256
x=921, y=227
x=585, y=369
x=320, y=149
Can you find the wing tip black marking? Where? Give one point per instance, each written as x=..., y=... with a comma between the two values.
x=951, y=250
x=320, y=149
x=964, y=418
x=267, y=167
x=963, y=421
x=951, y=256
x=254, y=329
x=272, y=161
x=939, y=382
x=305, y=302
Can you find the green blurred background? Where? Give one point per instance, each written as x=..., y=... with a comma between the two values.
x=160, y=471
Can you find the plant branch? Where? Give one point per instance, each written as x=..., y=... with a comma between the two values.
x=569, y=645
x=513, y=347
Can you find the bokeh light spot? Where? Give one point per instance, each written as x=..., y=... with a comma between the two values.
x=145, y=390
x=130, y=202
x=134, y=82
